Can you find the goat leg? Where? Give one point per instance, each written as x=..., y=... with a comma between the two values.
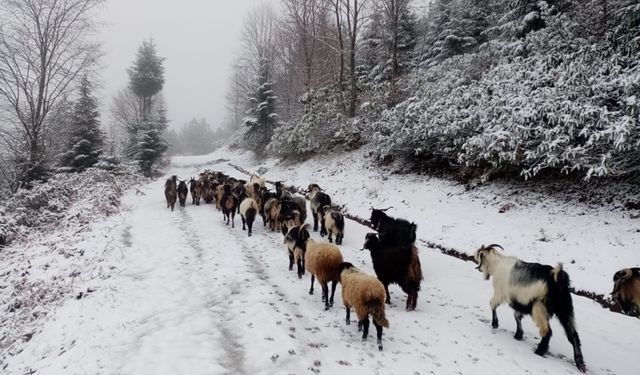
x=312, y=279
x=333, y=292
x=378, y=334
x=325, y=295
x=386, y=289
x=348, y=318
x=543, y=346
x=518, y=316
x=365, y=328
x=494, y=318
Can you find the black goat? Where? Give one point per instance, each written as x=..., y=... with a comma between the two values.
x=183, y=191
x=281, y=193
x=397, y=231
x=395, y=263
x=289, y=205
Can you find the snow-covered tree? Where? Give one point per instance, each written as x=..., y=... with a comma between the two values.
x=146, y=120
x=261, y=118
x=151, y=145
x=146, y=75
x=86, y=139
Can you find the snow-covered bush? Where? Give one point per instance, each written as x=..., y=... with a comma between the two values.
x=315, y=131
x=65, y=199
x=548, y=101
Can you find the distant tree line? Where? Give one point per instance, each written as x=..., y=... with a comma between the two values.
x=482, y=87
x=195, y=138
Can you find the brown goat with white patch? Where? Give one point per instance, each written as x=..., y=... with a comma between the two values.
x=366, y=294
x=323, y=261
x=626, y=290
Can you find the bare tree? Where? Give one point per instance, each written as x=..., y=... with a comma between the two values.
x=45, y=46
x=302, y=20
x=258, y=37
x=354, y=16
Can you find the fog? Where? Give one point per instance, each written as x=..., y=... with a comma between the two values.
x=198, y=38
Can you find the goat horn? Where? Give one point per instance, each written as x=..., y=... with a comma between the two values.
x=494, y=245
x=386, y=209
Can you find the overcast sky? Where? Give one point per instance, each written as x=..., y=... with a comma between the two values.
x=198, y=38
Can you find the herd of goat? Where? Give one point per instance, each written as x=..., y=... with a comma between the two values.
x=541, y=291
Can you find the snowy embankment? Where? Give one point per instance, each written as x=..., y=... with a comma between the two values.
x=190, y=295
x=592, y=242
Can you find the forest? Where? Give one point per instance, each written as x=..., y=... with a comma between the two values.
x=478, y=88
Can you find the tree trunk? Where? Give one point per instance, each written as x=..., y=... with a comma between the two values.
x=341, y=50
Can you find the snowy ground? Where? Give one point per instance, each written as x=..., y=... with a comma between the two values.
x=189, y=295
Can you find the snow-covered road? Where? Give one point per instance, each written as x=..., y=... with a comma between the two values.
x=193, y=296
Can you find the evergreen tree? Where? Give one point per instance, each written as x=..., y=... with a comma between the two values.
x=151, y=144
x=146, y=76
x=146, y=134
x=86, y=139
x=262, y=118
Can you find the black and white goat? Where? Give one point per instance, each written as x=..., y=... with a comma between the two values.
x=531, y=288
x=318, y=200
x=626, y=290
x=296, y=241
x=334, y=222
x=396, y=230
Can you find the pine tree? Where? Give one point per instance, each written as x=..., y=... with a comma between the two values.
x=262, y=117
x=151, y=144
x=146, y=76
x=86, y=139
x=146, y=135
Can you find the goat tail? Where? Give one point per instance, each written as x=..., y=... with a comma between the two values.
x=376, y=309
x=557, y=274
x=339, y=219
x=412, y=233
x=415, y=269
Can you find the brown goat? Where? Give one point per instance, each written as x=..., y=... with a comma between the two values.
x=229, y=203
x=272, y=212
x=170, y=192
x=219, y=192
x=195, y=187
x=626, y=290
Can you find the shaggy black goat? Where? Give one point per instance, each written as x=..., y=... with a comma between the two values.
x=396, y=263
x=289, y=205
x=396, y=230
x=183, y=191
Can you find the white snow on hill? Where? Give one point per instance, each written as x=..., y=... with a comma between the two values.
x=188, y=295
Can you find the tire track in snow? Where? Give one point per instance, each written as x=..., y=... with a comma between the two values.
x=234, y=357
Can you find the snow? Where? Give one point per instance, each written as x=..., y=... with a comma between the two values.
x=182, y=293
